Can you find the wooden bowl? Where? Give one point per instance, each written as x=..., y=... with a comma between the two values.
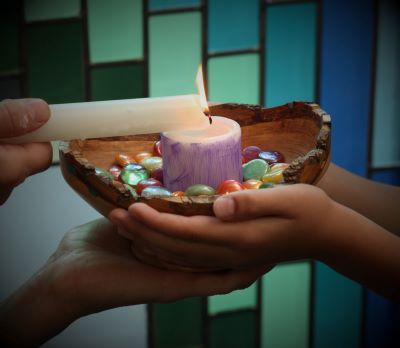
x=300, y=131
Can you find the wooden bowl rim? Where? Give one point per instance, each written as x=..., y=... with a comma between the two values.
x=255, y=114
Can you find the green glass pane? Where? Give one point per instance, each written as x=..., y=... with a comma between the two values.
x=290, y=53
x=36, y=10
x=115, y=30
x=10, y=88
x=118, y=82
x=285, y=314
x=175, y=53
x=54, y=59
x=234, y=79
x=233, y=330
x=239, y=299
x=386, y=143
x=178, y=324
x=9, y=37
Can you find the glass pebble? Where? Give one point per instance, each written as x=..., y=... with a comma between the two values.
x=133, y=176
x=151, y=163
x=123, y=159
x=229, y=186
x=275, y=177
x=279, y=166
x=147, y=183
x=155, y=191
x=115, y=171
x=132, y=191
x=178, y=194
x=103, y=174
x=271, y=157
x=141, y=156
x=254, y=169
x=250, y=153
x=157, y=174
x=199, y=190
x=157, y=148
x=265, y=185
x=252, y=184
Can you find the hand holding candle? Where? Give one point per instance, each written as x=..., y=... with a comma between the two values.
x=118, y=118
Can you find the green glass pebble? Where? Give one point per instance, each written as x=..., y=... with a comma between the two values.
x=199, y=189
x=254, y=169
x=133, y=176
x=152, y=163
x=155, y=191
x=103, y=174
x=265, y=185
x=132, y=191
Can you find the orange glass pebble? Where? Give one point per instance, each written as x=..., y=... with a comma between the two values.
x=124, y=159
x=229, y=186
x=178, y=194
x=141, y=156
x=252, y=184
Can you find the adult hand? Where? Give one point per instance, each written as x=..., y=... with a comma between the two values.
x=18, y=117
x=251, y=228
x=92, y=270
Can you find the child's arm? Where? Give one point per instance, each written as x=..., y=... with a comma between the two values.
x=379, y=202
x=256, y=227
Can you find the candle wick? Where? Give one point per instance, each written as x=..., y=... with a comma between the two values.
x=208, y=114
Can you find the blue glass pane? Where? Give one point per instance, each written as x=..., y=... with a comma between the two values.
x=232, y=24
x=163, y=4
x=337, y=310
x=382, y=322
x=346, y=65
x=390, y=176
x=386, y=141
x=290, y=53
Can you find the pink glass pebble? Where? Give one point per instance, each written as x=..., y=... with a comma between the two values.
x=157, y=148
x=157, y=174
x=115, y=171
x=250, y=153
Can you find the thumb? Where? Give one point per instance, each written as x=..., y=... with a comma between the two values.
x=251, y=204
x=20, y=116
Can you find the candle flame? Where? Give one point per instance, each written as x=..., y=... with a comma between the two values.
x=201, y=89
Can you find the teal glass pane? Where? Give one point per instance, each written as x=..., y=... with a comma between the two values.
x=337, y=310
x=117, y=82
x=175, y=53
x=386, y=128
x=178, y=324
x=36, y=10
x=9, y=37
x=285, y=314
x=234, y=79
x=239, y=299
x=10, y=88
x=115, y=30
x=164, y=4
x=54, y=61
x=233, y=330
x=290, y=53
x=233, y=24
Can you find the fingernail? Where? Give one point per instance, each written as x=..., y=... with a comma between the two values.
x=224, y=207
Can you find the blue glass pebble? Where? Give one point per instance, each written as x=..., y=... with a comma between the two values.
x=155, y=191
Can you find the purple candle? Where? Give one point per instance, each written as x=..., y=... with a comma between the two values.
x=203, y=156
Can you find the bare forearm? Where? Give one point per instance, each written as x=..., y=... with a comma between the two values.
x=379, y=202
x=362, y=250
x=31, y=315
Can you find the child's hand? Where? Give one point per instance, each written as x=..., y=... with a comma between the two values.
x=251, y=228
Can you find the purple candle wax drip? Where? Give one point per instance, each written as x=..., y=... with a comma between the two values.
x=215, y=158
